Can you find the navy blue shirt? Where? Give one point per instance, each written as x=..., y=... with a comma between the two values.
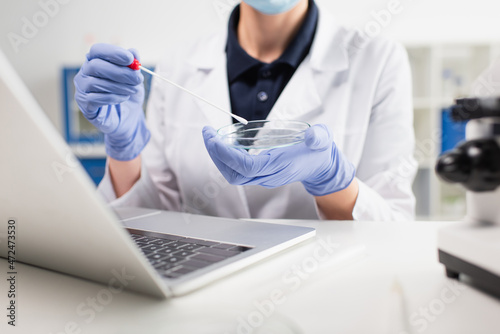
x=255, y=86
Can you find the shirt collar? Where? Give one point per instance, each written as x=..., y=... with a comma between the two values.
x=239, y=61
x=301, y=43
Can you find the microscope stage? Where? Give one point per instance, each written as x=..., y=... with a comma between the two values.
x=474, y=250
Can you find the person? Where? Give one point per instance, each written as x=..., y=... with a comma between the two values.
x=285, y=59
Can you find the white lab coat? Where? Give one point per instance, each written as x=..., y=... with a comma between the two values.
x=360, y=89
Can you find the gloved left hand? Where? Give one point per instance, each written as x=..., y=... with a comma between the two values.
x=317, y=163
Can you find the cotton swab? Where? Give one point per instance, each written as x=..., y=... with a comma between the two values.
x=136, y=65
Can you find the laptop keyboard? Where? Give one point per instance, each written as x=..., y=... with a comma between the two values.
x=174, y=256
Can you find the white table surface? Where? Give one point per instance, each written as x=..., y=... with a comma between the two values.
x=335, y=297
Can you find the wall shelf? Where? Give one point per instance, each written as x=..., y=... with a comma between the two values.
x=441, y=73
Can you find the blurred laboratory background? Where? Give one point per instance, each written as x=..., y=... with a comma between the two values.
x=449, y=42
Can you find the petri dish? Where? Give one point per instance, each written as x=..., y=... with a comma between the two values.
x=265, y=134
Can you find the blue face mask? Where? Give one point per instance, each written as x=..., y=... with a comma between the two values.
x=272, y=7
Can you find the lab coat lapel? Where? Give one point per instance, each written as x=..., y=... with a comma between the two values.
x=214, y=87
x=211, y=64
x=299, y=98
x=326, y=58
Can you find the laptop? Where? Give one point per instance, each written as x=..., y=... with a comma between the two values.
x=61, y=223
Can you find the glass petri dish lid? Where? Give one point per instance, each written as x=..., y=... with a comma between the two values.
x=264, y=134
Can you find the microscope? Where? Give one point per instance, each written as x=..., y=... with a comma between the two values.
x=472, y=247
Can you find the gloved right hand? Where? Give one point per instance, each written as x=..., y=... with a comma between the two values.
x=110, y=95
x=317, y=163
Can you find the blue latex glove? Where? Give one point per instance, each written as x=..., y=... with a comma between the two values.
x=110, y=95
x=316, y=162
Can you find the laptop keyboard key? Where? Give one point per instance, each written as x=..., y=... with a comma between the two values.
x=147, y=239
x=156, y=256
x=177, y=244
x=219, y=252
x=151, y=248
x=158, y=264
x=167, y=250
x=182, y=270
x=201, y=242
x=162, y=268
x=240, y=249
x=207, y=258
x=171, y=274
x=173, y=259
x=147, y=252
x=195, y=264
x=183, y=253
x=192, y=247
x=171, y=237
x=223, y=246
x=161, y=242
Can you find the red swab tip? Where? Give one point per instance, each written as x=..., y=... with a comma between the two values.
x=135, y=65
